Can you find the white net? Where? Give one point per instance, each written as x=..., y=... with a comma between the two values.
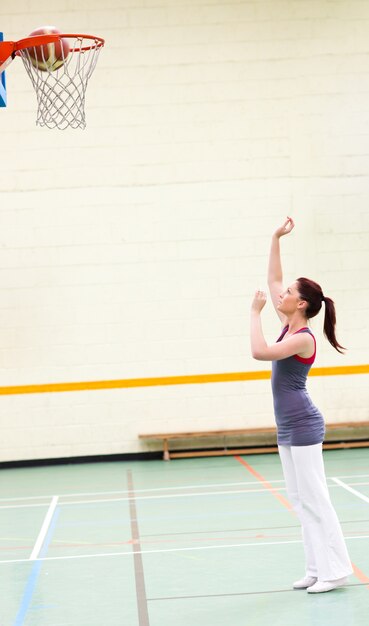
x=59, y=75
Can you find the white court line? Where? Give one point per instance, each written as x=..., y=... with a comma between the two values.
x=171, y=496
x=178, y=487
x=350, y=489
x=179, y=495
x=22, y=506
x=44, y=528
x=111, y=493
x=176, y=495
x=188, y=549
x=353, y=484
x=158, y=497
x=352, y=476
x=24, y=498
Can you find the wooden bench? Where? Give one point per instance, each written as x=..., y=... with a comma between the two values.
x=338, y=435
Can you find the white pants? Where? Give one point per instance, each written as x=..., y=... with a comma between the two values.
x=325, y=549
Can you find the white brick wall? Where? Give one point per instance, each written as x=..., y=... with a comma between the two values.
x=131, y=249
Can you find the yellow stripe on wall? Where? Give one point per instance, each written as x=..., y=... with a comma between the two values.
x=172, y=380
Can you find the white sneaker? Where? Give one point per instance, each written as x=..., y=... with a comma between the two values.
x=304, y=583
x=321, y=586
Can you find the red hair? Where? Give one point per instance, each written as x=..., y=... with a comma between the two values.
x=312, y=293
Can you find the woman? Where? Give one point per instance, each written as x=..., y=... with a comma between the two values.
x=300, y=424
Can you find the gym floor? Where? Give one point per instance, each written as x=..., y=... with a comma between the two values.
x=198, y=542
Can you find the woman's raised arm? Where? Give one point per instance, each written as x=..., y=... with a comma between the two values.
x=275, y=273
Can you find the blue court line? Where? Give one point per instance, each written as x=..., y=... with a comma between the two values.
x=35, y=572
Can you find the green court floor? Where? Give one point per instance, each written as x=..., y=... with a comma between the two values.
x=200, y=542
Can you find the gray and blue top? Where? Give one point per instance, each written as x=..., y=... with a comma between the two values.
x=299, y=421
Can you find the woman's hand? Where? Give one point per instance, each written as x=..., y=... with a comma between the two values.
x=259, y=301
x=285, y=229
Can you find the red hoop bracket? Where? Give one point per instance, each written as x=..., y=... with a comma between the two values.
x=7, y=49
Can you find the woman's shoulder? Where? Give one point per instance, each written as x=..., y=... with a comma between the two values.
x=305, y=329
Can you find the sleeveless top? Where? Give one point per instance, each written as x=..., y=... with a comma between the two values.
x=299, y=421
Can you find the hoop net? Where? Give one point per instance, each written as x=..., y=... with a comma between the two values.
x=61, y=92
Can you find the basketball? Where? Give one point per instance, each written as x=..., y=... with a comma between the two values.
x=50, y=56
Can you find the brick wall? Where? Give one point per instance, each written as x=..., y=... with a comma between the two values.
x=132, y=249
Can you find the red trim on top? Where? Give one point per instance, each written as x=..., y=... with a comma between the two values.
x=311, y=358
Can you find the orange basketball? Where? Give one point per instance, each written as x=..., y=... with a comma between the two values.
x=49, y=56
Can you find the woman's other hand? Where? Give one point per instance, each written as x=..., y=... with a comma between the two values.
x=259, y=301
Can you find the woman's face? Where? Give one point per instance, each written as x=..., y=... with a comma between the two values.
x=289, y=299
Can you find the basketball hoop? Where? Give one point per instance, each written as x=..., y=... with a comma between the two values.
x=59, y=67
x=60, y=90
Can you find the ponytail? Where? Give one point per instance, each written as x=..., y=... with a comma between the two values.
x=330, y=324
x=312, y=293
